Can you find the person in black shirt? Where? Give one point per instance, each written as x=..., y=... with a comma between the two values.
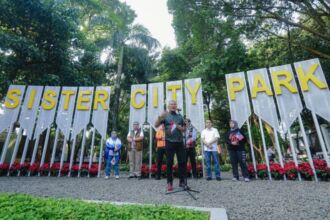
x=174, y=128
x=236, y=140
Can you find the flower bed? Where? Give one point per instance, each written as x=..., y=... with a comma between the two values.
x=145, y=170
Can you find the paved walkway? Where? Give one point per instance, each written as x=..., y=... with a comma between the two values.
x=261, y=199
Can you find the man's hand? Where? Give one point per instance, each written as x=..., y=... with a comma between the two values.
x=162, y=116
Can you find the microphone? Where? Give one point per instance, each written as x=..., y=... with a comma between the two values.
x=179, y=109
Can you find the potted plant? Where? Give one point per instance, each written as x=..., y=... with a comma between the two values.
x=251, y=171
x=24, y=168
x=84, y=170
x=262, y=171
x=34, y=169
x=276, y=171
x=74, y=170
x=291, y=170
x=305, y=171
x=321, y=169
x=4, y=169
x=54, y=169
x=93, y=170
x=144, y=171
x=13, y=170
x=44, y=169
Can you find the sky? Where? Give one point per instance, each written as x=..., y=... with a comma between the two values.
x=153, y=15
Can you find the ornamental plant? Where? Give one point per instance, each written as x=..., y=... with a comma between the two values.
x=34, y=169
x=291, y=170
x=305, y=170
x=276, y=171
x=13, y=170
x=54, y=169
x=4, y=169
x=74, y=170
x=24, y=168
x=65, y=169
x=153, y=169
x=262, y=171
x=93, y=170
x=251, y=170
x=44, y=169
x=321, y=169
x=144, y=171
x=199, y=169
x=84, y=170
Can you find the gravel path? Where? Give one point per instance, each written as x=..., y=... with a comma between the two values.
x=260, y=199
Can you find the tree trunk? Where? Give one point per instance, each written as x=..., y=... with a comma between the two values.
x=115, y=106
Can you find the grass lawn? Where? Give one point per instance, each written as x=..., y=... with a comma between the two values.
x=18, y=206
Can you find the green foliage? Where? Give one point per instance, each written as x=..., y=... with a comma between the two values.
x=225, y=167
x=15, y=206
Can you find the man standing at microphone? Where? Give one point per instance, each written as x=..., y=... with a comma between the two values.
x=174, y=128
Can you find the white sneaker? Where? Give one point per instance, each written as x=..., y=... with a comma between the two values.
x=117, y=177
x=246, y=179
x=106, y=177
x=234, y=179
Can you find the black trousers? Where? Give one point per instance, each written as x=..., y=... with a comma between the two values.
x=191, y=154
x=160, y=155
x=237, y=156
x=178, y=149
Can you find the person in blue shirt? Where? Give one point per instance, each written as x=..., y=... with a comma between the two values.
x=112, y=154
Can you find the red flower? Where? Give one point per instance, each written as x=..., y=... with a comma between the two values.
x=94, y=169
x=15, y=166
x=4, y=166
x=84, y=166
x=75, y=168
x=144, y=169
x=261, y=166
x=164, y=167
x=34, y=167
x=44, y=167
x=153, y=169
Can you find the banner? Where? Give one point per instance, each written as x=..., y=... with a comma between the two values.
x=262, y=97
x=83, y=109
x=286, y=94
x=314, y=87
x=155, y=102
x=138, y=104
x=238, y=98
x=65, y=110
x=194, y=103
x=174, y=92
x=30, y=108
x=101, y=109
x=10, y=109
x=48, y=109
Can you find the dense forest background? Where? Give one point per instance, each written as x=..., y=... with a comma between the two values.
x=61, y=42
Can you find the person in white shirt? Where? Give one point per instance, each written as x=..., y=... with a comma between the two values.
x=210, y=136
x=135, y=146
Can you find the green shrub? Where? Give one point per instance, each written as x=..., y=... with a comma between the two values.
x=225, y=167
x=16, y=206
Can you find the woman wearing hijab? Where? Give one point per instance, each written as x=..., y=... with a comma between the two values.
x=236, y=139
